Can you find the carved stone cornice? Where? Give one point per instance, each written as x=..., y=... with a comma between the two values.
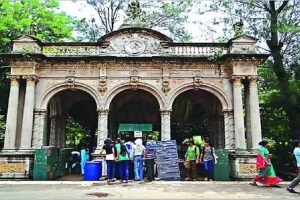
x=253, y=80
x=23, y=64
x=14, y=80
x=237, y=80
x=246, y=61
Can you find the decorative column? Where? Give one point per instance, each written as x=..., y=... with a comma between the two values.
x=27, y=124
x=229, y=129
x=239, y=126
x=165, y=124
x=102, y=127
x=12, y=113
x=255, y=125
x=39, y=129
x=52, y=135
x=248, y=120
x=61, y=130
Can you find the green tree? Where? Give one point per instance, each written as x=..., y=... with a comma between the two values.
x=41, y=18
x=171, y=15
x=75, y=134
x=277, y=25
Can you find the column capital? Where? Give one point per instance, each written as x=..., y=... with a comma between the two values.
x=14, y=79
x=40, y=111
x=227, y=111
x=237, y=79
x=103, y=111
x=31, y=79
x=253, y=80
x=165, y=111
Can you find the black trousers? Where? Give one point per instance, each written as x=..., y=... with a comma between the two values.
x=149, y=163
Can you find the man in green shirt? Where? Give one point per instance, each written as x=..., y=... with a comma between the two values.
x=191, y=161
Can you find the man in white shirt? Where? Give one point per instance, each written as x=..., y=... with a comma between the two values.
x=138, y=152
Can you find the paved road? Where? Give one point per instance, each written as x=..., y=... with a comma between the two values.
x=133, y=190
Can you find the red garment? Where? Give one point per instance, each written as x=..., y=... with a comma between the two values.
x=261, y=163
x=268, y=181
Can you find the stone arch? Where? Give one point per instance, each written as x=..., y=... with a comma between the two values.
x=44, y=100
x=217, y=92
x=142, y=86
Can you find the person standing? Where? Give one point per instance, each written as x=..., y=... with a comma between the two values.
x=129, y=144
x=192, y=160
x=266, y=174
x=84, y=153
x=209, y=159
x=149, y=157
x=296, y=181
x=123, y=160
x=138, y=152
x=110, y=160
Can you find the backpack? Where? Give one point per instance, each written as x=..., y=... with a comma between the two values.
x=124, y=150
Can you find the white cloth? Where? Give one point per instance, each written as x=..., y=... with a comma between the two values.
x=138, y=150
x=109, y=157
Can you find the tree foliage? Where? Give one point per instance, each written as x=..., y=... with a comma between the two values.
x=76, y=134
x=277, y=25
x=41, y=18
x=171, y=15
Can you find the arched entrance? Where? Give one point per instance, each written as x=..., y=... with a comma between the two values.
x=72, y=119
x=133, y=107
x=197, y=113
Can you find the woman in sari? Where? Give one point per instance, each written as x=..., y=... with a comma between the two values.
x=266, y=174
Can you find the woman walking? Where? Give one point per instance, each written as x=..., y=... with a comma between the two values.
x=209, y=159
x=266, y=174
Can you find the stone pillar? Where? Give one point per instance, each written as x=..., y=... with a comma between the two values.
x=255, y=125
x=165, y=124
x=39, y=137
x=12, y=113
x=102, y=127
x=60, y=131
x=27, y=124
x=229, y=129
x=248, y=120
x=239, y=126
x=52, y=134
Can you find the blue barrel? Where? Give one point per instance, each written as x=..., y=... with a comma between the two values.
x=92, y=171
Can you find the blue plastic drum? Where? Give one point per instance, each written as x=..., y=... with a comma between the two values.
x=92, y=171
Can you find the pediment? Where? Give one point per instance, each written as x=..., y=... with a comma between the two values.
x=135, y=42
x=26, y=38
x=243, y=39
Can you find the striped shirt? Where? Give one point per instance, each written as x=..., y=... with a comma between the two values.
x=151, y=147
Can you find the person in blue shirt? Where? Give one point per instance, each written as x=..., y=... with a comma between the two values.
x=84, y=155
x=149, y=157
x=296, y=181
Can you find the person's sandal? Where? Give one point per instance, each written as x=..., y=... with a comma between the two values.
x=291, y=190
